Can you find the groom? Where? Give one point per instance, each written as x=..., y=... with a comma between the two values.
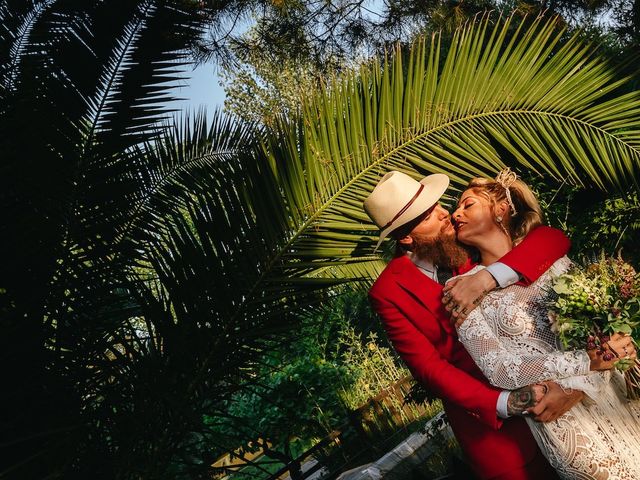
x=407, y=296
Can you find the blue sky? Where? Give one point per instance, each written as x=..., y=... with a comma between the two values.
x=201, y=88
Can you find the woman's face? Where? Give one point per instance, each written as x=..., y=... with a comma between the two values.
x=473, y=218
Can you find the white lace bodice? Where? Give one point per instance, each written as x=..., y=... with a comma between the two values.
x=510, y=338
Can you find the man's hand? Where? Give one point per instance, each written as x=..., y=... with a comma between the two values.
x=555, y=402
x=523, y=399
x=462, y=294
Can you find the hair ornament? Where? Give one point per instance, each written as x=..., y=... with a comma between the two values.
x=506, y=178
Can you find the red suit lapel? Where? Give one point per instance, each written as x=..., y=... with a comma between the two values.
x=425, y=290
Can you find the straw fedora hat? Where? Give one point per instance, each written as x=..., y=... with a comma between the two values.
x=398, y=199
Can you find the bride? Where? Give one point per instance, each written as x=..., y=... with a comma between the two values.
x=509, y=337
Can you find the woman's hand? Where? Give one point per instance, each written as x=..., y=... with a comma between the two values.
x=462, y=294
x=555, y=402
x=617, y=347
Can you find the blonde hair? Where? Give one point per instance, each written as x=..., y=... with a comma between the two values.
x=524, y=213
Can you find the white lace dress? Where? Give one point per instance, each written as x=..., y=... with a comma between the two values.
x=510, y=338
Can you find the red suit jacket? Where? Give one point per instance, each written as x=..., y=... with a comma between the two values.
x=409, y=304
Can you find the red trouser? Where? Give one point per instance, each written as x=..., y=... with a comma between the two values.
x=536, y=469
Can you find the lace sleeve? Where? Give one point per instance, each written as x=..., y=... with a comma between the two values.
x=593, y=384
x=511, y=363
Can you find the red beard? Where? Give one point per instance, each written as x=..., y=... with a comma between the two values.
x=442, y=250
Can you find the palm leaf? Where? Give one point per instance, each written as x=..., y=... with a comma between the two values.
x=16, y=25
x=529, y=99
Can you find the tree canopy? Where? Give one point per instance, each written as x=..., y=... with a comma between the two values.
x=334, y=32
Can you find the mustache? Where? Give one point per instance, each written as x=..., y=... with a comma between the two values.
x=446, y=224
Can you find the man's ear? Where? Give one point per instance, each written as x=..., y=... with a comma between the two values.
x=406, y=241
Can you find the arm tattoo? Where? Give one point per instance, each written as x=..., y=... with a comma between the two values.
x=478, y=299
x=520, y=400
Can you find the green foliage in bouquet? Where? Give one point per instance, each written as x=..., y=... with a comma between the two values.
x=595, y=302
x=602, y=298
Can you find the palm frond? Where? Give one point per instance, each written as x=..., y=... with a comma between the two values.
x=528, y=100
x=16, y=24
x=70, y=320
x=132, y=91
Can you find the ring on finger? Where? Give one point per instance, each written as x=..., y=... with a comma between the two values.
x=455, y=308
x=446, y=294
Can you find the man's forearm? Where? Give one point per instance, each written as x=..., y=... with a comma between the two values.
x=537, y=252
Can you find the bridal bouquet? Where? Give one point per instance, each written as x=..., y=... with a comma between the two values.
x=593, y=303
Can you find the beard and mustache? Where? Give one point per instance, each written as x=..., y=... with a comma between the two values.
x=443, y=250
